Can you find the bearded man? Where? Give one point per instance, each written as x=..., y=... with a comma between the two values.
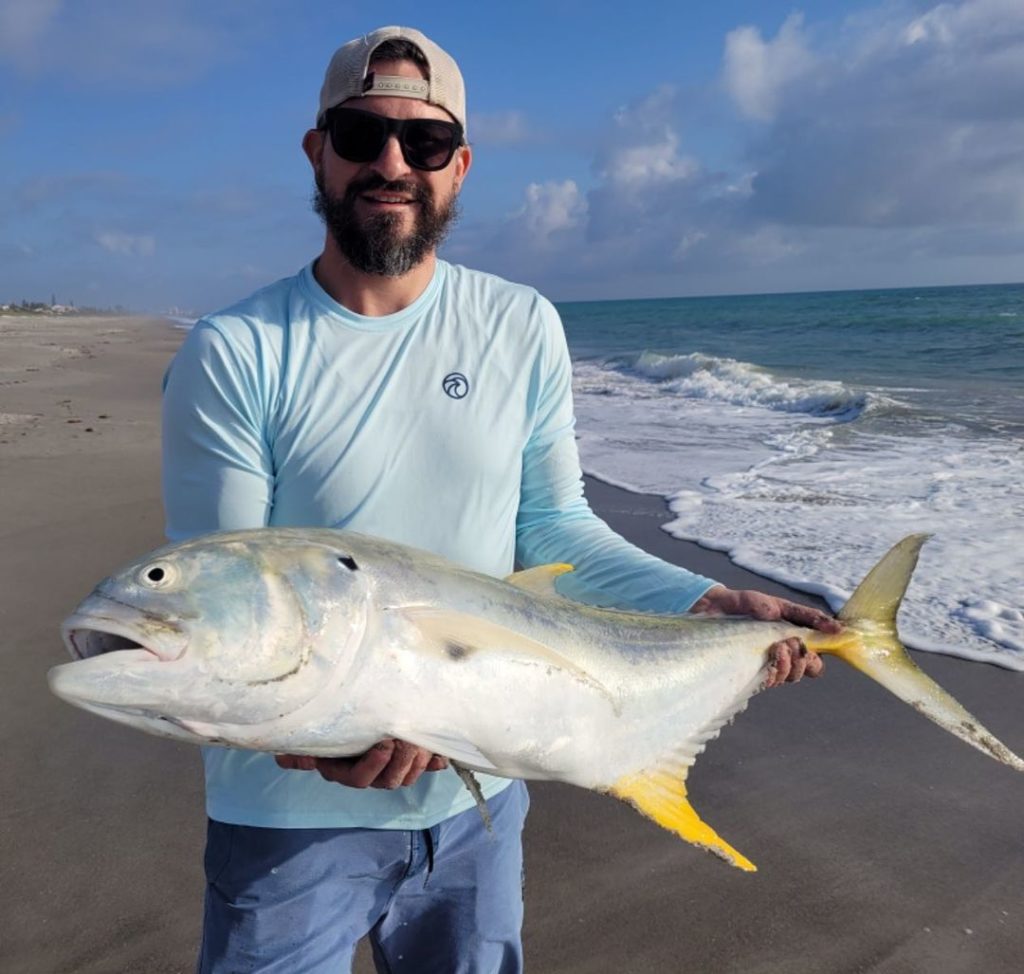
x=384, y=390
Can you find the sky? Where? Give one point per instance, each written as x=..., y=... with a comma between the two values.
x=150, y=149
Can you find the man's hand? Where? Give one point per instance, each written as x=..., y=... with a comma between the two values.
x=790, y=659
x=389, y=764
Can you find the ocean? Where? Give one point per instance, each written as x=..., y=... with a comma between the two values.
x=804, y=434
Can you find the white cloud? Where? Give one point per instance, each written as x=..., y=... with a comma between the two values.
x=645, y=148
x=126, y=244
x=757, y=73
x=883, y=150
x=550, y=208
x=42, y=191
x=117, y=41
x=23, y=23
x=641, y=166
x=12, y=252
x=499, y=128
x=916, y=121
x=689, y=241
x=929, y=27
x=766, y=245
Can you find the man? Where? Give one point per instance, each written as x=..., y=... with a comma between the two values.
x=385, y=390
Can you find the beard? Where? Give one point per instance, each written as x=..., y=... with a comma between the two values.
x=377, y=245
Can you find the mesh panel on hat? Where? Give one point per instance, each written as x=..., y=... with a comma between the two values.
x=348, y=68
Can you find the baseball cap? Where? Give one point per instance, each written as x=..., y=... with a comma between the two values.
x=348, y=75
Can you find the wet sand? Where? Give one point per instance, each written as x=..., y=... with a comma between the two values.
x=884, y=845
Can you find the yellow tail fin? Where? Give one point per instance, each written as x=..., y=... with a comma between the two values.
x=870, y=614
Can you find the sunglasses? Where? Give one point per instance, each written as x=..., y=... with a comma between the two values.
x=427, y=143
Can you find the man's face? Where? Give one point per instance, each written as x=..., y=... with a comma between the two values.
x=385, y=216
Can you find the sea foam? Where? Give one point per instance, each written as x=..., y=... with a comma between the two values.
x=809, y=482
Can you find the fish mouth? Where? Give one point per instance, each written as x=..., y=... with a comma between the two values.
x=83, y=643
x=88, y=635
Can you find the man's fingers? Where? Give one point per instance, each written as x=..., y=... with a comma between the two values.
x=780, y=664
x=798, y=658
x=815, y=666
x=360, y=773
x=389, y=764
x=759, y=605
x=295, y=762
x=421, y=759
x=805, y=615
x=790, y=661
x=402, y=759
x=336, y=770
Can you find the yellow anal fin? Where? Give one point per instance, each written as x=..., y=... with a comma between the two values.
x=661, y=796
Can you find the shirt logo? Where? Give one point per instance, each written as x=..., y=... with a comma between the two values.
x=456, y=385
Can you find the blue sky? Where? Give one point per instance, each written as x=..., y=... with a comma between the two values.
x=150, y=148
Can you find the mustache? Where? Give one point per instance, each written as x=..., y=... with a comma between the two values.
x=374, y=181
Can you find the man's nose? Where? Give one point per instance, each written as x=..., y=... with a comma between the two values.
x=391, y=163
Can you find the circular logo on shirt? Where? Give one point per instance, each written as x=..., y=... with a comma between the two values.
x=456, y=385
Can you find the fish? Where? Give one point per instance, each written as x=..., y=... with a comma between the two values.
x=314, y=641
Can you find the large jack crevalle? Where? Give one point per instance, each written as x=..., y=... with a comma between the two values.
x=312, y=641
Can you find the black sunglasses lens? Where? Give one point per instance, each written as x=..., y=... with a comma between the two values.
x=358, y=137
x=429, y=144
x=361, y=136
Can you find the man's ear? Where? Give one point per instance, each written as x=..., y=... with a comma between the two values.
x=463, y=160
x=313, y=145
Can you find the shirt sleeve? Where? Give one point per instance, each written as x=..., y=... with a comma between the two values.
x=217, y=466
x=555, y=522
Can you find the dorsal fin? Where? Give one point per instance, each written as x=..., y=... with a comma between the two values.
x=539, y=580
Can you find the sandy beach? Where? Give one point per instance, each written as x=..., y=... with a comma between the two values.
x=884, y=845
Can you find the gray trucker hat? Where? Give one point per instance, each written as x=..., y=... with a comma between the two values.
x=348, y=75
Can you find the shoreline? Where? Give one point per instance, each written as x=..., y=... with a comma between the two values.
x=631, y=513
x=883, y=844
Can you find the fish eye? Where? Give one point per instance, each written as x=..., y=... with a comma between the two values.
x=349, y=562
x=157, y=575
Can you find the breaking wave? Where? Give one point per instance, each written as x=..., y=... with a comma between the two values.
x=725, y=380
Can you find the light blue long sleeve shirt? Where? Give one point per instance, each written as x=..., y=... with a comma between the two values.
x=447, y=426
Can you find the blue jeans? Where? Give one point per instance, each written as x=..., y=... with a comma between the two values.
x=445, y=900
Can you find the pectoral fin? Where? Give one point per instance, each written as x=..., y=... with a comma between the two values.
x=462, y=637
x=660, y=794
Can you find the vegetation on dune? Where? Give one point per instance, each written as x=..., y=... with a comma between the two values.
x=53, y=308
